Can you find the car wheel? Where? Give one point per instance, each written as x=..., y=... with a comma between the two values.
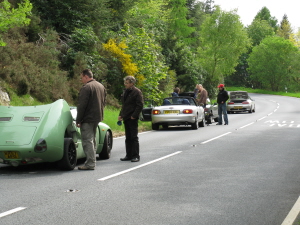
x=107, y=146
x=155, y=126
x=165, y=126
x=201, y=124
x=69, y=159
x=195, y=125
x=209, y=119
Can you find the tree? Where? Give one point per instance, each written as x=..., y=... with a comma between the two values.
x=67, y=15
x=258, y=30
x=223, y=39
x=264, y=14
x=11, y=17
x=285, y=30
x=273, y=63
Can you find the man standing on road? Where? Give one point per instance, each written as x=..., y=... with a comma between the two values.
x=132, y=105
x=202, y=95
x=222, y=107
x=90, y=107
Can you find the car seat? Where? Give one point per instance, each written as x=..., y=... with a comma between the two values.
x=185, y=102
x=166, y=102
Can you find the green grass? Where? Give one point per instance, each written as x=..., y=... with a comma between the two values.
x=111, y=118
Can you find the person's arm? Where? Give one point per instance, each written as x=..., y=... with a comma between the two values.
x=139, y=105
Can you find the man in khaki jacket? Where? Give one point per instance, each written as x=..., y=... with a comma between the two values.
x=90, y=108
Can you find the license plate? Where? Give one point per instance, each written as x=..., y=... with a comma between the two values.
x=238, y=107
x=171, y=111
x=11, y=155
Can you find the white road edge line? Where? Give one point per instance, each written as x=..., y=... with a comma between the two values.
x=290, y=218
x=246, y=125
x=137, y=167
x=11, y=211
x=204, y=142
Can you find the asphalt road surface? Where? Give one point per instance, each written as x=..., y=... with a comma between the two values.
x=241, y=174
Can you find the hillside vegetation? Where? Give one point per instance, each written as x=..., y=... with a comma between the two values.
x=44, y=45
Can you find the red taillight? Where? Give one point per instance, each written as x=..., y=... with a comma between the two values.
x=155, y=112
x=245, y=102
x=41, y=146
x=187, y=111
x=230, y=103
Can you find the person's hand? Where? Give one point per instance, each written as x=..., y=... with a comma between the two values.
x=120, y=118
x=78, y=125
x=132, y=118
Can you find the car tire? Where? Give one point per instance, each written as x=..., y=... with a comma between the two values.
x=107, y=146
x=155, y=126
x=209, y=119
x=201, y=124
x=195, y=125
x=69, y=159
x=165, y=126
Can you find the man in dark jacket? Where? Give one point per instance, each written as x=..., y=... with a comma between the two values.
x=222, y=107
x=90, y=107
x=132, y=105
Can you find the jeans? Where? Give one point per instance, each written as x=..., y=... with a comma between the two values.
x=132, y=141
x=222, y=108
x=88, y=136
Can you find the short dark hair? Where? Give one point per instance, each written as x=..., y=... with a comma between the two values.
x=131, y=79
x=87, y=72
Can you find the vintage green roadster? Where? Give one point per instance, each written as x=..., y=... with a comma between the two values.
x=46, y=133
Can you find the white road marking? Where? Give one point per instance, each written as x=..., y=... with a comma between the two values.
x=270, y=114
x=261, y=118
x=137, y=167
x=246, y=125
x=11, y=211
x=204, y=142
x=290, y=218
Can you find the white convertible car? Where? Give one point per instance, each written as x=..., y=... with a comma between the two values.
x=175, y=111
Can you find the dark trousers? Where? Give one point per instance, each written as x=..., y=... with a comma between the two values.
x=132, y=141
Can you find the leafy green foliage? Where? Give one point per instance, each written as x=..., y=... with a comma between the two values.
x=33, y=69
x=258, y=30
x=223, y=40
x=147, y=55
x=272, y=63
x=10, y=17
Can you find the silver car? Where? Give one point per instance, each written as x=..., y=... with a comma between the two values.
x=240, y=101
x=175, y=111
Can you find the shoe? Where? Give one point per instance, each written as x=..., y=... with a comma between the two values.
x=85, y=168
x=218, y=124
x=225, y=123
x=135, y=160
x=125, y=159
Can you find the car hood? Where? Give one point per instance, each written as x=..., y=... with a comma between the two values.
x=16, y=135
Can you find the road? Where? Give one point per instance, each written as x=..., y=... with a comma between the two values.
x=243, y=173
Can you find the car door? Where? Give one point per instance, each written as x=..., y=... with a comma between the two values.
x=147, y=110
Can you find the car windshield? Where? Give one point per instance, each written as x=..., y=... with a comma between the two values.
x=179, y=101
x=239, y=95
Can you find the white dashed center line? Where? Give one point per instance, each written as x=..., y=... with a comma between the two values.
x=137, y=167
x=11, y=211
x=204, y=142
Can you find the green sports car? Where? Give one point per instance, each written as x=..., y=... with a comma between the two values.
x=46, y=133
